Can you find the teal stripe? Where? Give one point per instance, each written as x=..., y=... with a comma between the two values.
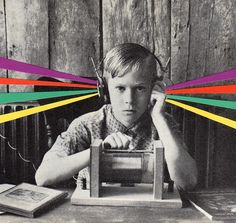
x=205, y=101
x=31, y=96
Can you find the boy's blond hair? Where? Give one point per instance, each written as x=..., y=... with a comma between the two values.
x=129, y=57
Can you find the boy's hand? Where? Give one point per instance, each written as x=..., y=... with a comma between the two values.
x=117, y=140
x=157, y=103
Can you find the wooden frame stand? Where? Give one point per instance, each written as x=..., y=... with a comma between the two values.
x=112, y=174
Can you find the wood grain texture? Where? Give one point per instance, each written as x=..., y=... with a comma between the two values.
x=74, y=36
x=179, y=40
x=27, y=36
x=202, y=39
x=141, y=195
x=209, y=40
x=161, y=32
x=210, y=162
x=138, y=22
x=224, y=152
x=179, y=50
x=212, y=39
x=221, y=54
x=126, y=21
x=200, y=151
x=158, y=173
x=3, y=53
x=189, y=130
x=95, y=154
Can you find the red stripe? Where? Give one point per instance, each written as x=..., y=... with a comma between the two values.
x=42, y=83
x=228, y=89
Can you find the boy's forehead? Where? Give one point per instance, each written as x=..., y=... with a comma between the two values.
x=135, y=76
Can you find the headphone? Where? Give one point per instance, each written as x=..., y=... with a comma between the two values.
x=102, y=86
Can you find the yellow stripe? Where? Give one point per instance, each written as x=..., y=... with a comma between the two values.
x=225, y=121
x=31, y=111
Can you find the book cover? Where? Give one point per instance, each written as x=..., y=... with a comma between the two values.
x=215, y=205
x=29, y=200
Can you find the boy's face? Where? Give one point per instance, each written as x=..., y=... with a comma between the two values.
x=130, y=95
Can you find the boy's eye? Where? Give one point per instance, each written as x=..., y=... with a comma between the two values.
x=120, y=88
x=140, y=88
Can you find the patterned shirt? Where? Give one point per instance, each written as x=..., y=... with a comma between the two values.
x=98, y=125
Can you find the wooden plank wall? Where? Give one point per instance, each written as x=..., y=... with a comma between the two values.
x=198, y=36
x=203, y=36
x=144, y=22
x=3, y=73
x=27, y=36
x=74, y=35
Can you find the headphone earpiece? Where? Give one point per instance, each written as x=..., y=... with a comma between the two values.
x=161, y=67
x=101, y=85
x=103, y=89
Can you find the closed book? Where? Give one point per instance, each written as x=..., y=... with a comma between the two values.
x=29, y=200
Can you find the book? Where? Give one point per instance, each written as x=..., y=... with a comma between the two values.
x=216, y=205
x=29, y=200
x=4, y=187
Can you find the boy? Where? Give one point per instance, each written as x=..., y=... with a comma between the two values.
x=133, y=120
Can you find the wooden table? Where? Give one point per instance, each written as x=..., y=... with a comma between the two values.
x=67, y=213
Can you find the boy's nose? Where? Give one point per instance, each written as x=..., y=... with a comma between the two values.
x=129, y=97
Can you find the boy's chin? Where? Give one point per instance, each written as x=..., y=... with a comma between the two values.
x=129, y=121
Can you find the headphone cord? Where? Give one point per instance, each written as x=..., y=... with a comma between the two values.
x=17, y=152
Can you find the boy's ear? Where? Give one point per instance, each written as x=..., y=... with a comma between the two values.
x=157, y=86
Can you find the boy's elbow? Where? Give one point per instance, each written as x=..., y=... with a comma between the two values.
x=192, y=184
x=194, y=177
x=187, y=185
x=190, y=181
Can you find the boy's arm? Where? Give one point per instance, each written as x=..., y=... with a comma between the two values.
x=57, y=169
x=68, y=155
x=181, y=165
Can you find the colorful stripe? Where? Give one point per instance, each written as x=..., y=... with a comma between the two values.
x=205, y=101
x=31, y=111
x=10, y=64
x=43, y=83
x=227, y=75
x=220, y=89
x=220, y=119
x=32, y=96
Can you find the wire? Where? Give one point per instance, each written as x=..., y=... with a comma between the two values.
x=17, y=152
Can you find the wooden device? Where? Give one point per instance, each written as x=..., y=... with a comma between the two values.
x=127, y=178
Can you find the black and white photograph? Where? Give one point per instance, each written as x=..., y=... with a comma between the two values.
x=124, y=109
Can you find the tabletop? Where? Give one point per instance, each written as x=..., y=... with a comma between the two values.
x=66, y=212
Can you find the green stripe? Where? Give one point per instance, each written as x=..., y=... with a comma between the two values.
x=31, y=96
x=205, y=101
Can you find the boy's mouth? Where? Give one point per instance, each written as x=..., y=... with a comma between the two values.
x=129, y=111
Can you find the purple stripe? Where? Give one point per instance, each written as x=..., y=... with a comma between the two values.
x=29, y=68
x=227, y=75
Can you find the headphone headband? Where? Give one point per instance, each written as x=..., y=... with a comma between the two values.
x=102, y=85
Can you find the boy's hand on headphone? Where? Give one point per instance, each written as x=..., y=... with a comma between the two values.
x=157, y=103
x=117, y=140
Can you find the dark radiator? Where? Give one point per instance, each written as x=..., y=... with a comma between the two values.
x=29, y=136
